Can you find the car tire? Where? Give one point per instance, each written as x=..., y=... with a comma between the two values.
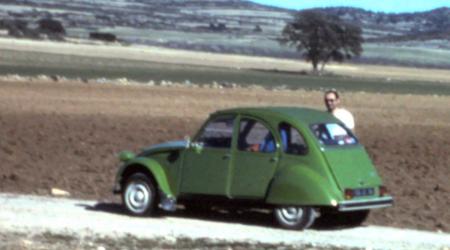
x=139, y=195
x=294, y=217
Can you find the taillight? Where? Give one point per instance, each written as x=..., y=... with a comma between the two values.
x=383, y=191
x=348, y=194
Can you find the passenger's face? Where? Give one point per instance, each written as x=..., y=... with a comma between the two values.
x=331, y=102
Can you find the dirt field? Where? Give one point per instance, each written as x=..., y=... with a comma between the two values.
x=67, y=135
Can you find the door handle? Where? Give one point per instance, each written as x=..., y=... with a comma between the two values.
x=226, y=157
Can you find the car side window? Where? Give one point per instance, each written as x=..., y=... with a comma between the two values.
x=292, y=140
x=255, y=137
x=217, y=133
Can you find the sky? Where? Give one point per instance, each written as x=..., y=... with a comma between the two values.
x=389, y=6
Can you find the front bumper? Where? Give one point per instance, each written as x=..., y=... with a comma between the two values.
x=117, y=189
x=354, y=205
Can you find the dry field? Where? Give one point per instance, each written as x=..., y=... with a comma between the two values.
x=67, y=135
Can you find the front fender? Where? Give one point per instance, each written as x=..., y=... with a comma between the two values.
x=300, y=185
x=154, y=168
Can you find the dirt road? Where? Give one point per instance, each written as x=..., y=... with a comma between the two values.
x=23, y=214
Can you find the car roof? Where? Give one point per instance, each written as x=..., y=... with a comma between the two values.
x=297, y=114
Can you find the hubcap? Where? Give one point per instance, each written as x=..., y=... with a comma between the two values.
x=290, y=215
x=138, y=197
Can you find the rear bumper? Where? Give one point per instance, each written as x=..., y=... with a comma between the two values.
x=365, y=204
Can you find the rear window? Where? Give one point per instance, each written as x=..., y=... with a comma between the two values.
x=333, y=134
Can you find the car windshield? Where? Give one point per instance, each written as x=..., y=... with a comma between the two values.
x=333, y=134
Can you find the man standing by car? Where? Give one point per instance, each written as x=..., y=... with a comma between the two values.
x=332, y=102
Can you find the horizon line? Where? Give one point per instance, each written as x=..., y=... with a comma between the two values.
x=369, y=7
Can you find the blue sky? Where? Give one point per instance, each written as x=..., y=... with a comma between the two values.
x=391, y=6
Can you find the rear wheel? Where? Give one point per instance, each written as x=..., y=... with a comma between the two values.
x=139, y=195
x=294, y=217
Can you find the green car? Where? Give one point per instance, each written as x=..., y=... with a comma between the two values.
x=300, y=163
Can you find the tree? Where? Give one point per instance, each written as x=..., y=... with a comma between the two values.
x=322, y=38
x=51, y=26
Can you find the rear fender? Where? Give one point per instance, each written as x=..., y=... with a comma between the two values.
x=299, y=185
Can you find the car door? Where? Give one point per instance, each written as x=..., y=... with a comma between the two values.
x=255, y=159
x=206, y=166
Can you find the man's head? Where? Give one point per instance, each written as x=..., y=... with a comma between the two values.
x=331, y=99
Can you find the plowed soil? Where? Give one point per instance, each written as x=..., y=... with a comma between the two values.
x=67, y=136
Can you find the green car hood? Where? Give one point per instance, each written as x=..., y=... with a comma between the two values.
x=166, y=146
x=352, y=167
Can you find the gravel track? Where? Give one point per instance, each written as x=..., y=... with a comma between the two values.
x=78, y=219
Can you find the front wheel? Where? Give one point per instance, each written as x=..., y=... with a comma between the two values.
x=139, y=195
x=294, y=217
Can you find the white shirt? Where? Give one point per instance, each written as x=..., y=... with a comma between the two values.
x=345, y=117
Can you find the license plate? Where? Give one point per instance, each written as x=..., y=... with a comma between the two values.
x=363, y=192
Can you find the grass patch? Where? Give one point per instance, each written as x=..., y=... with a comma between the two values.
x=35, y=63
x=413, y=56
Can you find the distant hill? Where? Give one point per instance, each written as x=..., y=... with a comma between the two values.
x=232, y=26
x=433, y=24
